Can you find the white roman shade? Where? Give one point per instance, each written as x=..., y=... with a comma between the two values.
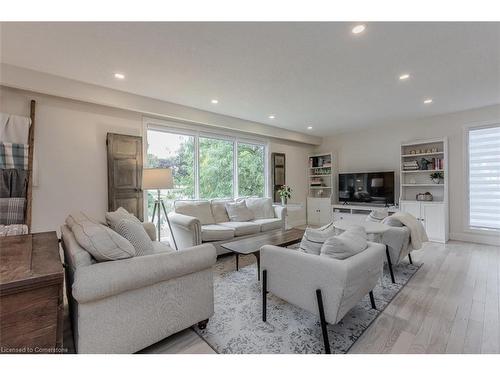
x=484, y=177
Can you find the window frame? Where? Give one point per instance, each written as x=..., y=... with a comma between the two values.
x=467, y=129
x=198, y=131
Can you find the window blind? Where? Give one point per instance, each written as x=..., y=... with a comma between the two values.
x=484, y=177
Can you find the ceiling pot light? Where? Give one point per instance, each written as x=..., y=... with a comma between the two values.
x=272, y=117
x=215, y=101
x=119, y=76
x=428, y=101
x=358, y=29
x=402, y=77
x=309, y=128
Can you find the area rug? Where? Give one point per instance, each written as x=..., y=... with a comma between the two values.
x=237, y=327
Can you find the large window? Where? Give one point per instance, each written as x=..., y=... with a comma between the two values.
x=206, y=166
x=484, y=177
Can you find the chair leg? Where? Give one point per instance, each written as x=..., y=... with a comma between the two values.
x=389, y=263
x=372, y=300
x=264, y=295
x=409, y=258
x=323, y=321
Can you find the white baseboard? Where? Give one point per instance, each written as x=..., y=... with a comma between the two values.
x=476, y=238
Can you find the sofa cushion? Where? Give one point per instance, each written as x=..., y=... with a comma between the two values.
x=100, y=241
x=161, y=247
x=219, y=210
x=345, y=245
x=268, y=224
x=215, y=232
x=314, y=238
x=238, y=211
x=113, y=217
x=242, y=228
x=133, y=231
x=262, y=208
x=199, y=209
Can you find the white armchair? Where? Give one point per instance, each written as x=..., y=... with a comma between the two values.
x=322, y=285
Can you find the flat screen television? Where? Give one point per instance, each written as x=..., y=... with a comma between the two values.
x=374, y=188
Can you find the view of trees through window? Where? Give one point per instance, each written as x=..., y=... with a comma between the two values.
x=216, y=167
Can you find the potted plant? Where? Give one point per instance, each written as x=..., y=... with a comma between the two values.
x=436, y=177
x=285, y=193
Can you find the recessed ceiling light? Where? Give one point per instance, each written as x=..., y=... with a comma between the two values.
x=358, y=29
x=309, y=128
x=428, y=101
x=119, y=76
x=215, y=101
x=272, y=117
x=402, y=77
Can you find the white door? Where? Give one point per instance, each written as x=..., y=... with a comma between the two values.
x=433, y=219
x=313, y=211
x=413, y=208
x=325, y=214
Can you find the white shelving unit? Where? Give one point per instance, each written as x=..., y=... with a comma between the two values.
x=433, y=154
x=321, y=187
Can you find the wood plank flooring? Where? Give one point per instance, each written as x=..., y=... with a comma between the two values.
x=451, y=305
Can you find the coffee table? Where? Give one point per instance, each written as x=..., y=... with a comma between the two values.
x=252, y=245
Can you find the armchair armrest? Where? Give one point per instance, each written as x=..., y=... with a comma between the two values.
x=279, y=211
x=186, y=230
x=107, y=279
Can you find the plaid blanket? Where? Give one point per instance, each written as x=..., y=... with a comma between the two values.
x=13, y=156
x=12, y=210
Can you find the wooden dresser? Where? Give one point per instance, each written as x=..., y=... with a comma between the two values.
x=31, y=294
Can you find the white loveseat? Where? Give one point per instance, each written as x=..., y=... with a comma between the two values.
x=123, y=306
x=194, y=222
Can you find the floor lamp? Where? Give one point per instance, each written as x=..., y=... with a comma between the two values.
x=157, y=179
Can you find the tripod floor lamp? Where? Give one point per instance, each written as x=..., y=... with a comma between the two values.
x=157, y=179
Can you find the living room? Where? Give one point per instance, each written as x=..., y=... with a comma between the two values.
x=250, y=187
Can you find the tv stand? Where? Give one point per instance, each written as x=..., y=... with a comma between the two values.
x=357, y=212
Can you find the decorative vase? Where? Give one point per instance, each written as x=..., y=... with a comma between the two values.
x=436, y=180
x=283, y=201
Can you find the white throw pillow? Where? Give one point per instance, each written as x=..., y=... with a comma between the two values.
x=262, y=208
x=99, y=240
x=199, y=209
x=219, y=210
x=113, y=217
x=313, y=239
x=238, y=211
x=377, y=215
x=135, y=233
x=345, y=245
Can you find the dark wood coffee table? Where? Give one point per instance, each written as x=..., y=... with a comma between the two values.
x=252, y=245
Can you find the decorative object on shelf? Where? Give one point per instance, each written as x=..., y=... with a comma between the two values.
x=413, y=152
x=424, y=196
x=437, y=177
x=412, y=180
x=285, y=193
x=434, y=149
x=424, y=164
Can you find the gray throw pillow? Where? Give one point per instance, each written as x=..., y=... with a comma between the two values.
x=135, y=233
x=314, y=238
x=392, y=222
x=99, y=240
x=238, y=211
x=114, y=217
x=345, y=245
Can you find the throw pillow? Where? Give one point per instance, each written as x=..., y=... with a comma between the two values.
x=345, y=245
x=199, y=209
x=262, y=208
x=377, y=215
x=135, y=233
x=99, y=240
x=238, y=211
x=313, y=239
x=392, y=222
x=219, y=210
x=113, y=218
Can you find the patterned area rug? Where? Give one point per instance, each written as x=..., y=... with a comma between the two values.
x=237, y=325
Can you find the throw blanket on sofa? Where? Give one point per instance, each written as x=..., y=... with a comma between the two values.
x=417, y=231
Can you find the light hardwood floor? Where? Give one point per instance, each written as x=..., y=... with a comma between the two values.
x=451, y=305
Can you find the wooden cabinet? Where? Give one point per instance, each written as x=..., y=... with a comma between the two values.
x=319, y=211
x=433, y=216
x=31, y=294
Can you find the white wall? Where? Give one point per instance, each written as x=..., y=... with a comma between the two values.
x=70, y=150
x=379, y=149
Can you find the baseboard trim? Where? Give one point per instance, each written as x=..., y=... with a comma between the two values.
x=476, y=238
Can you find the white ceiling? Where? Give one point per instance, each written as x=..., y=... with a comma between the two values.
x=317, y=74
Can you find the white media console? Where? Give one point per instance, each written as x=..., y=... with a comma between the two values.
x=353, y=212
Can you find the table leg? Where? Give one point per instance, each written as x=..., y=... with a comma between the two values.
x=237, y=262
x=257, y=255
x=389, y=263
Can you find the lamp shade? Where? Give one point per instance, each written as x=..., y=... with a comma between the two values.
x=157, y=178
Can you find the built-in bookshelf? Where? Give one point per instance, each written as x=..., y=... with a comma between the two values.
x=320, y=176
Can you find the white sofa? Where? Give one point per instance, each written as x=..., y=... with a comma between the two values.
x=194, y=222
x=123, y=306
x=322, y=285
